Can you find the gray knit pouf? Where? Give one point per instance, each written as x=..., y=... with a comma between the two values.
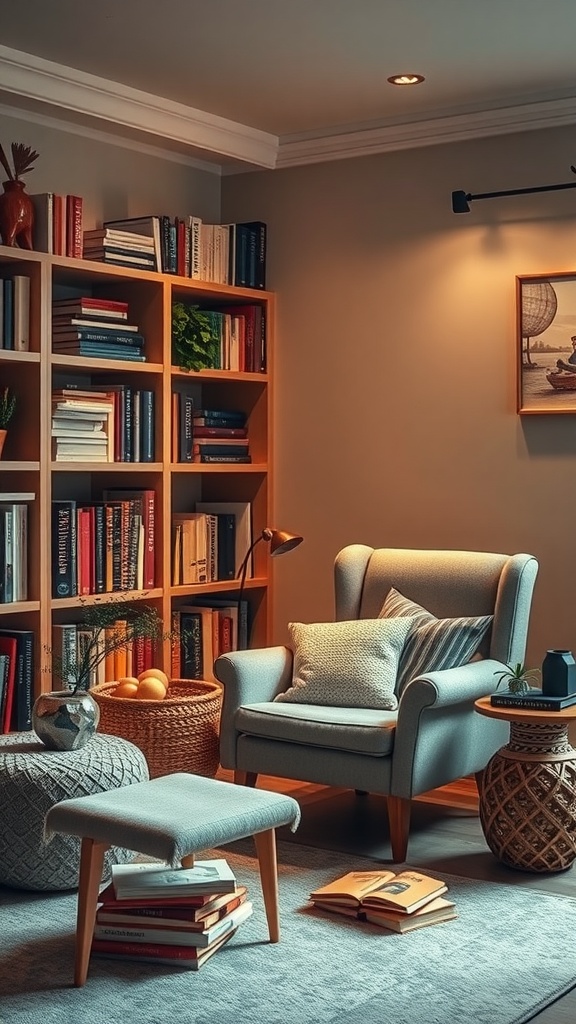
x=33, y=779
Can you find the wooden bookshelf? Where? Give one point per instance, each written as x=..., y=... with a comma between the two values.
x=27, y=463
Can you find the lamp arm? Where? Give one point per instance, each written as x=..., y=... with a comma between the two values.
x=242, y=573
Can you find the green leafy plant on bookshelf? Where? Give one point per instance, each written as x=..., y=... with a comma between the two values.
x=518, y=677
x=7, y=407
x=195, y=343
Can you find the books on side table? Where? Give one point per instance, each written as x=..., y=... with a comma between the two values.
x=177, y=916
x=531, y=700
x=398, y=902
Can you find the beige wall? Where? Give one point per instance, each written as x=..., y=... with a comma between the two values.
x=115, y=182
x=395, y=399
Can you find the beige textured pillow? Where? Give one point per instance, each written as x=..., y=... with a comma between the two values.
x=433, y=644
x=346, y=664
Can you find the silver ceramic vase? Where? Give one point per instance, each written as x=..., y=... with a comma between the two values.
x=63, y=720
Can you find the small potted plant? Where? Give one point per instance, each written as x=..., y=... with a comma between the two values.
x=518, y=677
x=7, y=408
x=66, y=719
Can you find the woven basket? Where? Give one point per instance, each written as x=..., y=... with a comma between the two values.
x=177, y=734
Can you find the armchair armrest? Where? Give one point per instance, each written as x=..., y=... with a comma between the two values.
x=438, y=731
x=248, y=677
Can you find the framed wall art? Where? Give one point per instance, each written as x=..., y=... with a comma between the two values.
x=546, y=343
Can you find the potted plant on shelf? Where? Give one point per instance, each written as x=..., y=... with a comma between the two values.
x=16, y=207
x=7, y=408
x=518, y=677
x=66, y=719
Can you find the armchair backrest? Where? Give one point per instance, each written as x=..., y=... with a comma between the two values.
x=448, y=583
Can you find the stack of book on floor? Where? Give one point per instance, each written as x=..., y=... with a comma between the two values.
x=95, y=327
x=161, y=915
x=399, y=902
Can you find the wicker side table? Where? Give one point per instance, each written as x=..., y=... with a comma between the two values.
x=528, y=790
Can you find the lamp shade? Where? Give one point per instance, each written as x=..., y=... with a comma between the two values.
x=281, y=541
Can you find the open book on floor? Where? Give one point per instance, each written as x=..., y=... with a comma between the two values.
x=379, y=890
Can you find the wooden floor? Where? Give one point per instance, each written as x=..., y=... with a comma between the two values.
x=445, y=836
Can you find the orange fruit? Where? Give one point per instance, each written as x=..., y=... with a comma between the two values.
x=156, y=673
x=150, y=688
x=126, y=688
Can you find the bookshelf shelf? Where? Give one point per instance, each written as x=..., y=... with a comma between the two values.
x=29, y=465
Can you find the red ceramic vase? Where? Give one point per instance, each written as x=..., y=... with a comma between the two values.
x=16, y=215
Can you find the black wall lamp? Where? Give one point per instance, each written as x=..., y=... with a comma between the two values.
x=461, y=199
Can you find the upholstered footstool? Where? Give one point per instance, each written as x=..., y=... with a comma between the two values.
x=170, y=818
x=32, y=779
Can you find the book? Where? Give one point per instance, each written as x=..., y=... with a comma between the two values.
x=189, y=957
x=43, y=231
x=8, y=648
x=405, y=892
x=147, y=880
x=533, y=700
x=182, y=936
x=64, y=565
x=24, y=678
x=193, y=911
x=435, y=912
x=21, y=328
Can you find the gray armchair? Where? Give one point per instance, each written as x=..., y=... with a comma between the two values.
x=435, y=736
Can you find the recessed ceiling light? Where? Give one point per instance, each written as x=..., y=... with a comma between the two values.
x=406, y=79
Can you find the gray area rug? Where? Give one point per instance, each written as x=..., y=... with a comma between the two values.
x=510, y=953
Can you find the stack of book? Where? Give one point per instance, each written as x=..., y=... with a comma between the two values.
x=398, y=902
x=226, y=445
x=82, y=426
x=169, y=916
x=123, y=248
x=95, y=327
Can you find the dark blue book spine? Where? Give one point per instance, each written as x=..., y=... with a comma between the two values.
x=147, y=426
x=191, y=645
x=99, y=549
x=242, y=243
x=128, y=426
x=64, y=573
x=186, y=429
x=8, y=314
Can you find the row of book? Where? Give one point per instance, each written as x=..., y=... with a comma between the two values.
x=231, y=337
x=15, y=313
x=97, y=328
x=204, y=630
x=102, y=547
x=69, y=640
x=399, y=902
x=209, y=544
x=195, y=431
x=16, y=679
x=58, y=224
x=14, y=545
x=103, y=423
x=187, y=246
x=168, y=916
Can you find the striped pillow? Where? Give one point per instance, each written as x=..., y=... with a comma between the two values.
x=433, y=644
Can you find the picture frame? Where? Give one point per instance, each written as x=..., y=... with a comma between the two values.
x=546, y=343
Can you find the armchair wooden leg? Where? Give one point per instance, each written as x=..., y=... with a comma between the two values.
x=266, y=850
x=91, y=863
x=246, y=778
x=399, y=819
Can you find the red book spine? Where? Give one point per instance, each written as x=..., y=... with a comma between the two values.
x=84, y=552
x=148, y=502
x=155, y=949
x=8, y=646
x=148, y=652
x=225, y=633
x=57, y=226
x=139, y=655
x=175, y=647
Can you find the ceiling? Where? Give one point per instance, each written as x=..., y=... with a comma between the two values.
x=269, y=83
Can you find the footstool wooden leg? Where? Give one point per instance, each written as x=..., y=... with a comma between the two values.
x=266, y=850
x=91, y=864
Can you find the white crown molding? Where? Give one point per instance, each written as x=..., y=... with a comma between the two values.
x=227, y=145
x=43, y=81
x=296, y=151
x=109, y=138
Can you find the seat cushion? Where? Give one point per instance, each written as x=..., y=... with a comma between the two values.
x=433, y=644
x=360, y=730
x=346, y=664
